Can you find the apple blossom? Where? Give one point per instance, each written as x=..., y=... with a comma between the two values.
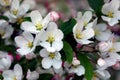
x=111, y=12
x=15, y=74
x=51, y=59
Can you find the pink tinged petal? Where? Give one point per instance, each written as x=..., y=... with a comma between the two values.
x=79, y=15
x=35, y=16
x=28, y=36
x=88, y=33
x=20, y=41
x=44, y=53
x=116, y=45
x=58, y=45
x=18, y=71
x=110, y=61
x=24, y=51
x=47, y=63
x=84, y=41
x=57, y=63
x=28, y=26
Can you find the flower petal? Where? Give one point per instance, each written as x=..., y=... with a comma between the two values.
x=57, y=64
x=43, y=53
x=46, y=63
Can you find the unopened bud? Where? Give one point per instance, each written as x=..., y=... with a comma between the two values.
x=54, y=16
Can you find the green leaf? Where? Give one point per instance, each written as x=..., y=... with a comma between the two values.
x=96, y=5
x=87, y=65
x=67, y=26
x=1, y=77
x=4, y=17
x=68, y=52
x=45, y=76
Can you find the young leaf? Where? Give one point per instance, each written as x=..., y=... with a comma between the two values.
x=67, y=26
x=96, y=5
x=88, y=66
x=68, y=52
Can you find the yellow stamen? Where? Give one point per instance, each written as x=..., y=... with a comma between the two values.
x=30, y=44
x=50, y=38
x=94, y=76
x=110, y=14
x=20, y=20
x=111, y=49
x=96, y=32
x=52, y=55
x=79, y=35
x=85, y=23
x=2, y=33
x=14, y=78
x=6, y=2
x=15, y=11
x=38, y=26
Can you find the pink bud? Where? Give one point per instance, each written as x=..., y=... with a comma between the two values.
x=30, y=56
x=101, y=62
x=103, y=46
x=18, y=57
x=117, y=66
x=11, y=56
x=75, y=61
x=79, y=46
x=54, y=16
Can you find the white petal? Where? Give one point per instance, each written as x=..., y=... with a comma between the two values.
x=46, y=63
x=23, y=9
x=113, y=21
x=117, y=46
x=20, y=41
x=46, y=20
x=103, y=36
x=87, y=16
x=57, y=64
x=45, y=44
x=81, y=70
x=88, y=33
x=115, y=56
x=18, y=71
x=28, y=36
x=84, y=41
x=35, y=16
x=101, y=26
x=28, y=26
x=106, y=18
x=57, y=56
x=58, y=34
x=24, y=51
x=52, y=26
x=8, y=74
x=15, y=5
x=58, y=45
x=43, y=53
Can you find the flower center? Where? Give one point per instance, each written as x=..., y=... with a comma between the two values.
x=14, y=78
x=85, y=23
x=111, y=49
x=7, y=2
x=110, y=14
x=20, y=20
x=52, y=55
x=30, y=44
x=2, y=33
x=51, y=38
x=79, y=35
x=97, y=32
x=15, y=11
x=38, y=26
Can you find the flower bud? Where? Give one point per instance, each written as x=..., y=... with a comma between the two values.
x=101, y=62
x=103, y=46
x=54, y=16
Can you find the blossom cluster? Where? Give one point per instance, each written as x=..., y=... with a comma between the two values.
x=83, y=47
